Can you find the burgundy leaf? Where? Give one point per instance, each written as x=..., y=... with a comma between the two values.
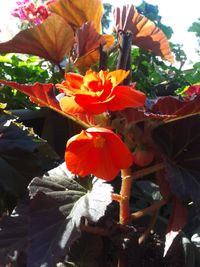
x=179, y=108
x=164, y=185
x=176, y=222
x=136, y=115
x=145, y=33
x=41, y=94
x=192, y=90
x=44, y=95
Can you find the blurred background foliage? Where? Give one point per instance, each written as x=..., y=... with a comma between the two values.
x=153, y=76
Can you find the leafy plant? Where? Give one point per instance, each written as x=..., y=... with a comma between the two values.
x=136, y=157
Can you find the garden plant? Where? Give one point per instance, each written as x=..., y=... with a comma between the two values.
x=128, y=185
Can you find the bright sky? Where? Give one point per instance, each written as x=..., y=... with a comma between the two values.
x=178, y=14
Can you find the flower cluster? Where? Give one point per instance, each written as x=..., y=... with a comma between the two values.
x=95, y=93
x=30, y=12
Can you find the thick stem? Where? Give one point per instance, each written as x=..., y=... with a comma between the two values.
x=128, y=80
x=125, y=41
x=103, y=62
x=125, y=196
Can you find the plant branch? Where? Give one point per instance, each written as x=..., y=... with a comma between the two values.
x=141, y=173
x=154, y=207
x=144, y=235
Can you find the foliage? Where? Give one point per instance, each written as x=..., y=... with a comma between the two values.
x=86, y=210
x=23, y=69
x=195, y=28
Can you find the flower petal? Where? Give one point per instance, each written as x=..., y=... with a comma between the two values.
x=117, y=76
x=114, y=156
x=79, y=150
x=69, y=105
x=125, y=97
x=91, y=104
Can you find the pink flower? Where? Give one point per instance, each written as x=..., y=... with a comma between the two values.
x=30, y=12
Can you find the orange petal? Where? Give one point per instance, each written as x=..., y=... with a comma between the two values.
x=91, y=104
x=74, y=79
x=106, y=170
x=121, y=156
x=114, y=156
x=126, y=96
x=117, y=76
x=78, y=153
x=69, y=105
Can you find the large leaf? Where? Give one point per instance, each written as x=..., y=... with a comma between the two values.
x=88, y=41
x=178, y=108
x=177, y=220
x=136, y=115
x=145, y=33
x=59, y=202
x=23, y=155
x=44, y=95
x=51, y=40
x=76, y=13
x=41, y=94
x=13, y=234
x=179, y=142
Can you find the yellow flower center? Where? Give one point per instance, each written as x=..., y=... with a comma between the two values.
x=99, y=142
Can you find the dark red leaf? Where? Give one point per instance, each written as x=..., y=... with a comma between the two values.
x=176, y=222
x=41, y=94
x=179, y=143
x=192, y=90
x=145, y=33
x=44, y=95
x=179, y=108
x=163, y=184
x=137, y=115
x=87, y=46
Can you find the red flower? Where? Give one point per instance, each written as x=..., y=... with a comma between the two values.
x=97, y=151
x=96, y=93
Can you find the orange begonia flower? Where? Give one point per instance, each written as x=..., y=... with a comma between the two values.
x=97, y=151
x=97, y=92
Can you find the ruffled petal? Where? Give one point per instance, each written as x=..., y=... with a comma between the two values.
x=69, y=105
x=126, y=97
x=117, y=76
x=91, y=104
